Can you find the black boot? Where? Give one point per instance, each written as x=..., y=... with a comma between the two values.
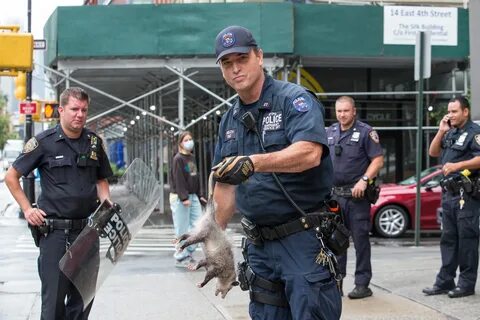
x=360, y=292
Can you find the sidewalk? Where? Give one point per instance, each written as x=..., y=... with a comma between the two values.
x=150, y=287
x=399, y=275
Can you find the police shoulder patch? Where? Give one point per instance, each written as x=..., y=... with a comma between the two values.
x=374, y=136
x=301, y=104
x=477, y=139
x=31, y=145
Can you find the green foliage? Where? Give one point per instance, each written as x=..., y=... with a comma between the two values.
x=5, y=133
x=116, y=171
x=437, y=114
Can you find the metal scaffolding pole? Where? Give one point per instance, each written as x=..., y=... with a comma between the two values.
x=181, y=101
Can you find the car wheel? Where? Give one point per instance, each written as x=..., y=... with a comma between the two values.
x=391, y=221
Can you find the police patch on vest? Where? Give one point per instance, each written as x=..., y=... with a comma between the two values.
x=301, y=104
x=272, y=121
x=374, y=136
x=229, y=134
x=31, y=145
x=477, y=139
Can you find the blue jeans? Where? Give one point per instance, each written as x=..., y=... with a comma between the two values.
x=184, y=219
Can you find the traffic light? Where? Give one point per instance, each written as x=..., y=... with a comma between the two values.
x=50, y=111
x=21, y=86
x=37, y=116
x=17, y=49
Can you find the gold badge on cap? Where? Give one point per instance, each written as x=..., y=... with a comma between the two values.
x=374, y=136
x=31, y=145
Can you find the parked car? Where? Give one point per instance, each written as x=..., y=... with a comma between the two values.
x=10, y=152
x=394, y=212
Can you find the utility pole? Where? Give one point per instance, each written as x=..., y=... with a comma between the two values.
x=29, y=181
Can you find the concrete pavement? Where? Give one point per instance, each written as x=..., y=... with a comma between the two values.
x=151, y=287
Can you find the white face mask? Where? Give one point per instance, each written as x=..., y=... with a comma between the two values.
x=188, y=145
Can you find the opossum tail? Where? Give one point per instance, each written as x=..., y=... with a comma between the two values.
x=211, y=185
x=210, y=203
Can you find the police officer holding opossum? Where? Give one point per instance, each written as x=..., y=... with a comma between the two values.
x=73, y=168
x=357, y=157
x=274, y=127
x=457, y=143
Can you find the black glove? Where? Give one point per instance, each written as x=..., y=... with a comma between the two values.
x=233, y=170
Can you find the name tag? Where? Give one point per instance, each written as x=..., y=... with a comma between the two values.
x=59, y=157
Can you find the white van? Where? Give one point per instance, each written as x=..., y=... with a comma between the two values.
x=11, y=151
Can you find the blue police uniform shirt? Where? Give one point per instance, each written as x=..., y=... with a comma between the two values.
x=286, y=113
x=69, y=170
x=460, y=144
x=359, y=145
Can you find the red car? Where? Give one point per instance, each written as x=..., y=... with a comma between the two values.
x=394, y=212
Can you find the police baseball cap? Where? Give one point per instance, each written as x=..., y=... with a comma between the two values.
x=234, y=39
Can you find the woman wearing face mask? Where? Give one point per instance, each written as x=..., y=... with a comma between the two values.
x=185, y=194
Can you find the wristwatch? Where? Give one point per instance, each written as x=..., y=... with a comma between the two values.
x=365, y=178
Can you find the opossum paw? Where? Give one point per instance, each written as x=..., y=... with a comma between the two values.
x=222, y=294
x=192, y=267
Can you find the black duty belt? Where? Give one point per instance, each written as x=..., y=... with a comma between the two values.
x=283, y=230
x=344, y=191
x=66, y=224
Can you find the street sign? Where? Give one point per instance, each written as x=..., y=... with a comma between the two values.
x=28, y=107
x=39, y=44
x=424, y=42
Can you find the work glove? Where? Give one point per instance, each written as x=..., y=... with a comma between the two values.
x=233, y=170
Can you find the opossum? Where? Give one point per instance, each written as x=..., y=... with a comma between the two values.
x=219, y=260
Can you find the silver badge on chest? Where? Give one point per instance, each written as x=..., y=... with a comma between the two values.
x=461, y=140
x=355, y=136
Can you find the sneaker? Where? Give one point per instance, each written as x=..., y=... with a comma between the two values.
x=183, y=263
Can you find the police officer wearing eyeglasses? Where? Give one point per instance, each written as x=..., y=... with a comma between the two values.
x=286, y=121
x=357, y=158
x=73, y=169
x=457, y=143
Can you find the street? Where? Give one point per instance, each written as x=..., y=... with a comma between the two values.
x=146, y=285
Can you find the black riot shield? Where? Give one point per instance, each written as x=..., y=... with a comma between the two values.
x=97, y=249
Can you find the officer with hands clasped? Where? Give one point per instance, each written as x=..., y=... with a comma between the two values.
x=357, y=157
x=274, y=126
x=73, y=169
x=457, y=143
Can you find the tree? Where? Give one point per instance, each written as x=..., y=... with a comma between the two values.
x=5, y=133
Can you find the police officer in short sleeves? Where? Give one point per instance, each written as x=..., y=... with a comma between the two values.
x=289, y=122
x=357, y=158
x=457, y=143
x=73, y=169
